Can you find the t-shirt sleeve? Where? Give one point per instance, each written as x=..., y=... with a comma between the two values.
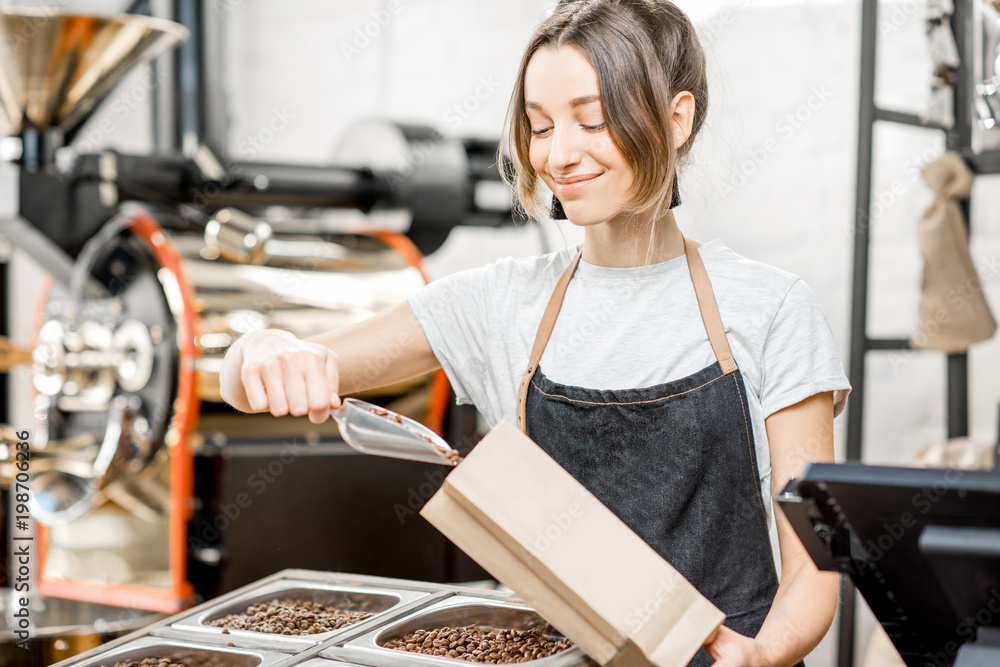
x=800, y=356
x=453, y=313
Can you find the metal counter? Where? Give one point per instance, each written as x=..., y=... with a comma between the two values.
x=400, y=607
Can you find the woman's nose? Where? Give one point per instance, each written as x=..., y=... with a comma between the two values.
x=566, y=147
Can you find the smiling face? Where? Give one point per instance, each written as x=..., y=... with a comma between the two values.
x=645, y=63
x=570, y=148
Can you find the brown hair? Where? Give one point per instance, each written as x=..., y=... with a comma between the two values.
x=644, y=52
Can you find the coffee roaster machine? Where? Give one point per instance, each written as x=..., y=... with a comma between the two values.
x=147, y=492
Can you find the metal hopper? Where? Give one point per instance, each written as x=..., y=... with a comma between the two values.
x=55, y=67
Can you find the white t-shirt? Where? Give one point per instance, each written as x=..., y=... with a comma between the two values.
x=622, y=328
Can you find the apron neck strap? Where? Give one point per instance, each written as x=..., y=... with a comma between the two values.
x=544, y=331
x=706, y=304
x=709, y=309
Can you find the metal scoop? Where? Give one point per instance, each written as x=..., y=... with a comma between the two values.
x=70, y=478
x=371, y=429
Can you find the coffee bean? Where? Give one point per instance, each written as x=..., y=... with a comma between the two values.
x=476, y=644
x=150, y=662
x=290, y=617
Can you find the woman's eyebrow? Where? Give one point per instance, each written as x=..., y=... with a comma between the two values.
x=586, y=99
x=575, y=102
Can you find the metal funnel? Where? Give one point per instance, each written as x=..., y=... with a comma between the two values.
x=56, y=66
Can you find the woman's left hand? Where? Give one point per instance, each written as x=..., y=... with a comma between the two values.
x=731, y=649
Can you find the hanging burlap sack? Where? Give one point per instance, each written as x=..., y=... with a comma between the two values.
x=953, y=311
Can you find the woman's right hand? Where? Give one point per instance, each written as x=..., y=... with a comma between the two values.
x=285, y=375
x=272, y=370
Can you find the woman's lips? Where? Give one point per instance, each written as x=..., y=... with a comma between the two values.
x=574, y=184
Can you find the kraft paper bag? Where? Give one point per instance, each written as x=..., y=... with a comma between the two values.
x=953, y=311
x=531, y=525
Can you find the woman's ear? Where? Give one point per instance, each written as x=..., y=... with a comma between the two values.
x=681, y=117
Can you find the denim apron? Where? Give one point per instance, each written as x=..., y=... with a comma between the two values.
x=675, y=462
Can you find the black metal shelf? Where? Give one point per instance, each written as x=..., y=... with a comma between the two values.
x=982, y=163
x=907, y=119
x=959, y=139
x=888, y=344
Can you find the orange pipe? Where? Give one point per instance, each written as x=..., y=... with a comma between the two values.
x=440, y=390
x=186, y=405
x=114, y=595
x=184, y=422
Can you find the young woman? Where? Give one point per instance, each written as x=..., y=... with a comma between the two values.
x=681, y=383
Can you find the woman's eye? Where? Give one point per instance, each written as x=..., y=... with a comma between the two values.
x=589, y=128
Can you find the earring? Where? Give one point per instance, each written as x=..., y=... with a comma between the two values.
x=557, y=213
x=675, y=196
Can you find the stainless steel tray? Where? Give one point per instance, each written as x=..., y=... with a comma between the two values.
x=459, y=610
x=386, y=602
x=192, y=655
